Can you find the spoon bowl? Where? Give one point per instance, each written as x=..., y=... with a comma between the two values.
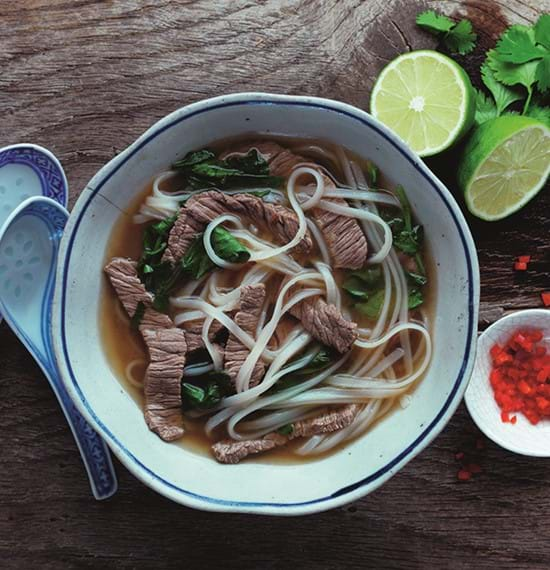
x=29, y=244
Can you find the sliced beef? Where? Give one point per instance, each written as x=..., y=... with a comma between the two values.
x=193, y=333
x=250, y=307
x=325, y=323
x=183, y=232
x=231, y=451
x=166, y=346
x=279, y=220
x=344, y=237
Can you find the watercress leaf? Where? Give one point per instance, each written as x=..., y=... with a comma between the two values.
x=542, y=31
x=229, y=247
x=485, y=108
x=517, y=45
x=371, y=308
x=251, y=163
x=286, y=430
x=138, y=315
x=192, y=158
x=504, y=96
x=511, y=73
x=417, y=278
x=461, y=38
x=539, y=112
x=543, y=74
x=433, y=22
x=415, y=298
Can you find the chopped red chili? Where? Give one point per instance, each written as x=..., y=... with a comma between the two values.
x=520, y=377
x=524, y=258
x=545, y=298
x=520, y=266
x=464, y=475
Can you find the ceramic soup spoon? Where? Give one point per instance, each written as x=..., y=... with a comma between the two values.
x=29, y=170
x=29, y=243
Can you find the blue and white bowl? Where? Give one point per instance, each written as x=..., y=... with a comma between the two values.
x=258, y=486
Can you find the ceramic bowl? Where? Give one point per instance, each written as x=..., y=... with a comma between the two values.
x=258, y=486
x=521, y=437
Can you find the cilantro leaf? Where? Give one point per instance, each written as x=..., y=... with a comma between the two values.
x=512, y=74
x=543, y=74
x=504, y=96
x=434, y=23
x=542, y=31
x=461, y=38
x=517, y=45
x=540, y=113
x=415, y=298
x=485, y=108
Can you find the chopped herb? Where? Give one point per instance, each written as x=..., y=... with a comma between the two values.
x=415, y=298
x=457, y=37
x=503, y=95
x=286, y=430
x=203, y=170
x=196, y=262
x=417, y=278
x=372, y=174
x=485, y=108
x=321, y=360
x=206, y=391
x=371, y=308
x=138, y=315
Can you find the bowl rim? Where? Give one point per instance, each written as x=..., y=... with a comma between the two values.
x=340, y=496
x=505, y=323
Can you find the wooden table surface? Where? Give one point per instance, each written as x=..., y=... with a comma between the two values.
x=85, y=78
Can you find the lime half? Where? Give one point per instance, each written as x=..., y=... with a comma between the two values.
x=426, y=98
x=505, y=163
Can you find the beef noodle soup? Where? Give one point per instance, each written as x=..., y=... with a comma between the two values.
x=273, y=296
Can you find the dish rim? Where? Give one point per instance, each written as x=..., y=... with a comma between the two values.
x=340, y=496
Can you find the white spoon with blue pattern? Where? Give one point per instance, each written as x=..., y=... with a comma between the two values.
x=29, y=245
x=29, y=170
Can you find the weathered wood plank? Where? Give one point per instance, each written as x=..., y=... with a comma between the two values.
x=85, y=78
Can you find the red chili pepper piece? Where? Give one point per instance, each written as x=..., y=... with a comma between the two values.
x=520, y=266
x=459, y=456
x=545, y=298
x=524, y=258
x=464, y=475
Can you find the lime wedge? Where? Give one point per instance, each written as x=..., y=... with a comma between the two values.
x=505, y=163
x=426, y=98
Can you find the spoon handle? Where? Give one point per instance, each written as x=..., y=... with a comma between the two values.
x=95, y=453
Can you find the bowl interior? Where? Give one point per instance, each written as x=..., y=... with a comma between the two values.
x=259, y=486
x=522, y=437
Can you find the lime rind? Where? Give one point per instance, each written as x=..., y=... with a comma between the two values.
x=505, y=164
x=426, y=98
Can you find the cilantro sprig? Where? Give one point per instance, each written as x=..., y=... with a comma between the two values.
x=457, y=37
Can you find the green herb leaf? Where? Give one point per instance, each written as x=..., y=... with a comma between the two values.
x=461, y=38
x=321, y=360
x=542, y=74
x=355, y=287
x=517, y=45
x=251, y=163
x=372, y=174
x=229, y=247
x=286, y=430
x=415, y=298
x=503, y=96
x=371, y=308
x=434, y=23
x=137, y=316
x=205, y=391
x=370, y=277
x=485, y=108
x=192, y=158
x=196, y=262
x=542, y=31
x=409, y=241
x=510, y=73
x=541, y=113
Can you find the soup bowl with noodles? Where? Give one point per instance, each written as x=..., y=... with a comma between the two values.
x=266, y=304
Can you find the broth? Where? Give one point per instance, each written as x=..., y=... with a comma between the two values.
x=122, y=344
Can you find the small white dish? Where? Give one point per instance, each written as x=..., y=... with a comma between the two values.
x=521, y=437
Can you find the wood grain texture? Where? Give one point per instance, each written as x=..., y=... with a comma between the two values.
x=85, y=78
